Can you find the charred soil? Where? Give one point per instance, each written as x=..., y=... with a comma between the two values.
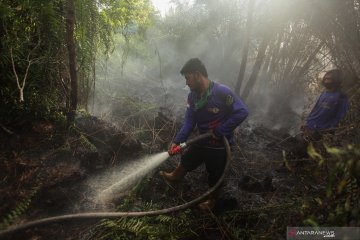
x=45, y=170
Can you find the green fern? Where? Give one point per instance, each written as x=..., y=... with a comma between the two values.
x=158, y=227
x=18, y=210
x=342, y=190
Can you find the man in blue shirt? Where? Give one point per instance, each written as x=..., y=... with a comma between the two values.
x=329, y=109
x=331, y=106
x=211, y=107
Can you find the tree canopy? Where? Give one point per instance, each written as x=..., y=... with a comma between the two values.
x=34, y=65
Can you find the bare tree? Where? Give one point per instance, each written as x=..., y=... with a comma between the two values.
x=22, y=83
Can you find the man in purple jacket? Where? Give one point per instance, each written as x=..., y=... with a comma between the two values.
x=211, y=107
x=331, y=106
x=324, y=118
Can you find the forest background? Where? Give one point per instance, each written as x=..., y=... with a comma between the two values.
x=120, y=60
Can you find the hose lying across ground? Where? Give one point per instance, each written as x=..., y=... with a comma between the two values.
x=101, y=215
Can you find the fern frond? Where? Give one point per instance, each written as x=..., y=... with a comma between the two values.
x=18, y=210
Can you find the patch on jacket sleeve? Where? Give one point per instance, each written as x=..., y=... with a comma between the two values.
x=229, y=100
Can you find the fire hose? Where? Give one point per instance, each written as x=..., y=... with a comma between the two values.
x=101, y=215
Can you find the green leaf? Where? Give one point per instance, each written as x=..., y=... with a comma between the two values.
x=342, y=185
x=314, y=154
x=311, y=222
x=335, y=151
x=318, y=201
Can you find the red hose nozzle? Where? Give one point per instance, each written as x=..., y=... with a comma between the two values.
x=175, y=150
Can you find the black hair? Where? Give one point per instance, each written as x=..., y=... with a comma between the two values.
x=194, y=65
x=336, y=75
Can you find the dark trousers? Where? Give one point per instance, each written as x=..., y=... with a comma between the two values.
x=214, y=159
x=301, y=143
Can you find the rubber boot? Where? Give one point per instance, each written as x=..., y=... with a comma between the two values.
x=178, y=173
x=210, y=203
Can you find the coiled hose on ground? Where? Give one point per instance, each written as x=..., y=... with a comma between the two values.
x=101, y=215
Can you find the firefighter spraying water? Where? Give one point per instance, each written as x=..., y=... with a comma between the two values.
x=211, y=107
x=216, y=111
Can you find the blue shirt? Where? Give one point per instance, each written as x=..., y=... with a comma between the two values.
x=330, y=108
x=223, y=112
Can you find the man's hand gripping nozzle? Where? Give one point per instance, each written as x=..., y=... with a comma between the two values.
x=176, y=149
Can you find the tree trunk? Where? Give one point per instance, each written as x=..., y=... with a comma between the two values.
x=21, y=85
x=259, y=60
x=275, y=56
x=70, y=23
x=240, y=78
x=263, y=75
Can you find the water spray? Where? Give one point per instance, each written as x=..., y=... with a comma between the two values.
x=101, y=215
x=143, y=167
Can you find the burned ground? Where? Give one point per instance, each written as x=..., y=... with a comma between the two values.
x=45, y=172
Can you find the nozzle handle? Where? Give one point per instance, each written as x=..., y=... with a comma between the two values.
x=177, y=149
x=174, y=150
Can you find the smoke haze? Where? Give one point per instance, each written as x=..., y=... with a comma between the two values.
x=214, y=31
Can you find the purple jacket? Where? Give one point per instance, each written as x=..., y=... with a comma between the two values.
x=223, y=112
x=330, y=108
